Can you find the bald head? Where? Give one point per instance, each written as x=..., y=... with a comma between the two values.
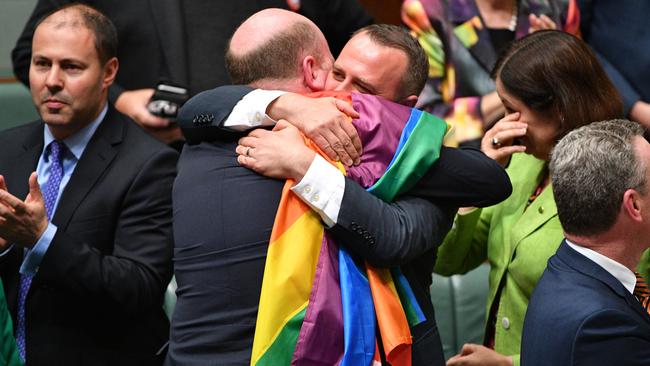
x=272, y=45
x=84, y=16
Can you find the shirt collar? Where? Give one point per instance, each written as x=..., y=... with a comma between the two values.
x=78, y=141
x=623, y=274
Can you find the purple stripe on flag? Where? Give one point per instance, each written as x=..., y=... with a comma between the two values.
x=321, y=337
x=381, y=123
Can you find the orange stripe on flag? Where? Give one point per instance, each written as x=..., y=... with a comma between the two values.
x=290, y=209
x=393, y=325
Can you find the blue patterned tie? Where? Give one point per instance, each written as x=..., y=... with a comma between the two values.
x=50, y=193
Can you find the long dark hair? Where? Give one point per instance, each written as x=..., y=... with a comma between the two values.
x=556, y=73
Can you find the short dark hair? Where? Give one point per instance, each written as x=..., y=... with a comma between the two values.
x=101, y=27
x=278, y=58
x=556, y=73
x=591, y=168
x=393, y=36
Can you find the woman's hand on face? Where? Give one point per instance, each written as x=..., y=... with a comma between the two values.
x=497, y=143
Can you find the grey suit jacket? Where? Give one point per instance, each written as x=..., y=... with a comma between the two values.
x=96, y=298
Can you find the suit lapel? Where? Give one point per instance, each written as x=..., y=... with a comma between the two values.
x=97, y=156
x=169, y=22
x=535, y=216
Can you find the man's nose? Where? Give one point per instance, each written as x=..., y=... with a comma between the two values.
x=54, y=79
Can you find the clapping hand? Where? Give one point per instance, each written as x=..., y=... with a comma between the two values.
x=22, y=222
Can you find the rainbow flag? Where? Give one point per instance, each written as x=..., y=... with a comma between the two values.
x=319, y=304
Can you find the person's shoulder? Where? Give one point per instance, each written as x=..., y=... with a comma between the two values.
x=16, y=136
x=136, y=137
x=20, y=130
x=137, y=146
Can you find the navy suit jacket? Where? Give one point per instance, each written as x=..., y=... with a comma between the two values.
x=579, y=314
x=223, y=216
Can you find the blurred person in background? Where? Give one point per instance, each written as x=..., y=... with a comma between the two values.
x=463, y=39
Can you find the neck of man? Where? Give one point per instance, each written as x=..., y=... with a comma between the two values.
x=624, y=247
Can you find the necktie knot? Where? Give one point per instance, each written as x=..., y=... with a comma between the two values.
x=57, y=149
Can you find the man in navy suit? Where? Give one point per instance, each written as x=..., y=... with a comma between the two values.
x=585, y=309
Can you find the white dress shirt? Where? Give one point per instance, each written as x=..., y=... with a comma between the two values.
x=619, y=271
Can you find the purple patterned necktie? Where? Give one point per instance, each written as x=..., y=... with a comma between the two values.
x=50, y=193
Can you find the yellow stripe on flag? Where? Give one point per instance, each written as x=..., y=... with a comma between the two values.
x=288, y=276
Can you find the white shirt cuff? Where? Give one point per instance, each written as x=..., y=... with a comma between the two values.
x=322, y=189
x=250, y=111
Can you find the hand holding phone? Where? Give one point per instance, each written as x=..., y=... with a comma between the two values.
x=167, y=100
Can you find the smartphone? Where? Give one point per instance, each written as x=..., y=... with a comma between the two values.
x=167, y=100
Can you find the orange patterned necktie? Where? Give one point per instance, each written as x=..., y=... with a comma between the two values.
x=641, y=292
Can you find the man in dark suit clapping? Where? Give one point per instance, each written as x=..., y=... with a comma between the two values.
x=88, y=252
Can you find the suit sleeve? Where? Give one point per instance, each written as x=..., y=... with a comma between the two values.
x=464, y=178
x=389, y=234
x=611, y=337
x=133, y=277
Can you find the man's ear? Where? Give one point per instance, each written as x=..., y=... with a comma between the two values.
x=409, y=101
x=314, y=75
x=110, y=71
x=633, y=205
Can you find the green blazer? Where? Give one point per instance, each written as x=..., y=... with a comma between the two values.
x=517, y=242
x=8, y=350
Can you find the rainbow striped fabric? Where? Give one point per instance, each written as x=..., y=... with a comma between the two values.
x=319, y=304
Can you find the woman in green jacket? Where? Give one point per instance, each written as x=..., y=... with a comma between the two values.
x=549, y=83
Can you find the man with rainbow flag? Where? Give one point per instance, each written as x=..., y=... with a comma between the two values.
x=323, y=308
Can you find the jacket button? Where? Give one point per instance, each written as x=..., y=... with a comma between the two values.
x=505, y=322
x=354, y=226
x=540, y=210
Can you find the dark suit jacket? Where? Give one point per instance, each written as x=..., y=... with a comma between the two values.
x=152, y=35
x=223, y=216
x=96, y=298
x=580, y=314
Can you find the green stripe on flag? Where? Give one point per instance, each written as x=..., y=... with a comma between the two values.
x=420, y=151
x=282, y=349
